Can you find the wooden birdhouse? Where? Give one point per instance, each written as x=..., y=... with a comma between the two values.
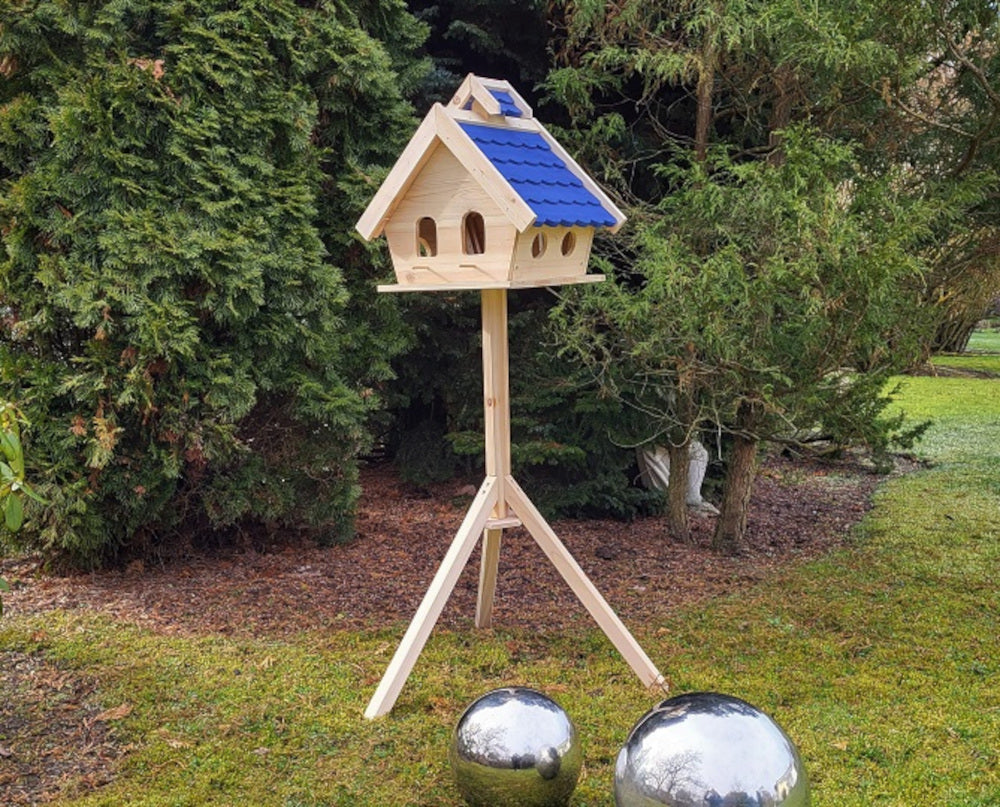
x=484, y=197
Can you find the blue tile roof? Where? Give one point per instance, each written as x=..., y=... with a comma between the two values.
x=507, y=105
x=508, y=108
x=555, y=194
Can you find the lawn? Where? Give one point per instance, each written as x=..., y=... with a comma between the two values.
x=879, y=659
x=986, y=340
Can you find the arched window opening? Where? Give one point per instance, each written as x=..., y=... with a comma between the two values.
x=538, y=245
x=427, y=238
x=473, y=234
x=568, y=243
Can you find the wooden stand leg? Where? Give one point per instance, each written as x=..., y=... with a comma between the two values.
x=488, y=577
x=434, y=600
x=591, y=598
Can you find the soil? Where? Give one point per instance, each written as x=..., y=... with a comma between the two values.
x=51, y=733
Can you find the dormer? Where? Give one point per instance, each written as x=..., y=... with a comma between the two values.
x=490, y=99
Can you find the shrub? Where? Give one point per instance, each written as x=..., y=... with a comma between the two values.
x=170, y=322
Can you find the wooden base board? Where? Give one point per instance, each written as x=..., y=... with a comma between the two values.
x=499, y=284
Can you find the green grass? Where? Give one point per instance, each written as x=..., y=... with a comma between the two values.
x=955, y=435
x=880, y=660
x=983, y=363
x=987, y=341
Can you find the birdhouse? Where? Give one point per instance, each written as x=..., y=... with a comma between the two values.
x=484, y=197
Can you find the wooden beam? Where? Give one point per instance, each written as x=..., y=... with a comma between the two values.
x=395, y=288
x=489, y=565
x=472, y=87
x=434, y=600
x=496, y=409
x=496, y=383
x=591, y=598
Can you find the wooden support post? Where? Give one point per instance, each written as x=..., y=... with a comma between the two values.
x=488, y=568
x=500, y=504
x=435, y=598
x=496, y=408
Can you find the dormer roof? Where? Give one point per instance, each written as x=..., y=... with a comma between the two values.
x=493, y=133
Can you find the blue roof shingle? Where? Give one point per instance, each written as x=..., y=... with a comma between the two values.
x=546, y=184
x=507, y=105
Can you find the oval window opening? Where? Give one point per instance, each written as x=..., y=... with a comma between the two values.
x=427, y=238
x=568, y=243
x=538, y=245
x=474, y=234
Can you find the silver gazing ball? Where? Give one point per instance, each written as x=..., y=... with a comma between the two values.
x=515, y=747
x=709, y=750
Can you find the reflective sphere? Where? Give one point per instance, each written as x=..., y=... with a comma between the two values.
x=709, y=750
x=515, y=747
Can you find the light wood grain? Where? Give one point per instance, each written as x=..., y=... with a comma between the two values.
x=433, y=602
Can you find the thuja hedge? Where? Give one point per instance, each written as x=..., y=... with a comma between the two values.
x=173, y=308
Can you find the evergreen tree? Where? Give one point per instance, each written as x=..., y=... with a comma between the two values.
x=943, y=119
x=172, y=326
x=765, y=287
x=494, y=38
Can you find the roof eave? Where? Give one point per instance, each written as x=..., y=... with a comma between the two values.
x=400, y=176
x=439, y=125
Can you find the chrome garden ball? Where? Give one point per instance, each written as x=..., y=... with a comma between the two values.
x=709, y=750
x=515, y=747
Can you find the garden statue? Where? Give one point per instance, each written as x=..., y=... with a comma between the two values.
x=654, y=470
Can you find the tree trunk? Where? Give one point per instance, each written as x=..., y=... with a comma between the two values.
x=731, y=527
x=677, y=511
x=704, y=93
x=954, y=333
x=781, y=115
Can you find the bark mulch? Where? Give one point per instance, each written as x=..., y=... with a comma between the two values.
x=51, y=733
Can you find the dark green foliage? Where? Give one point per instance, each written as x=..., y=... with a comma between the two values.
x=172, y=328
x=424, y=455
x=564, y=429
x=763, y=301
x=571, y=446
x=763, y=296
x=504, y=39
